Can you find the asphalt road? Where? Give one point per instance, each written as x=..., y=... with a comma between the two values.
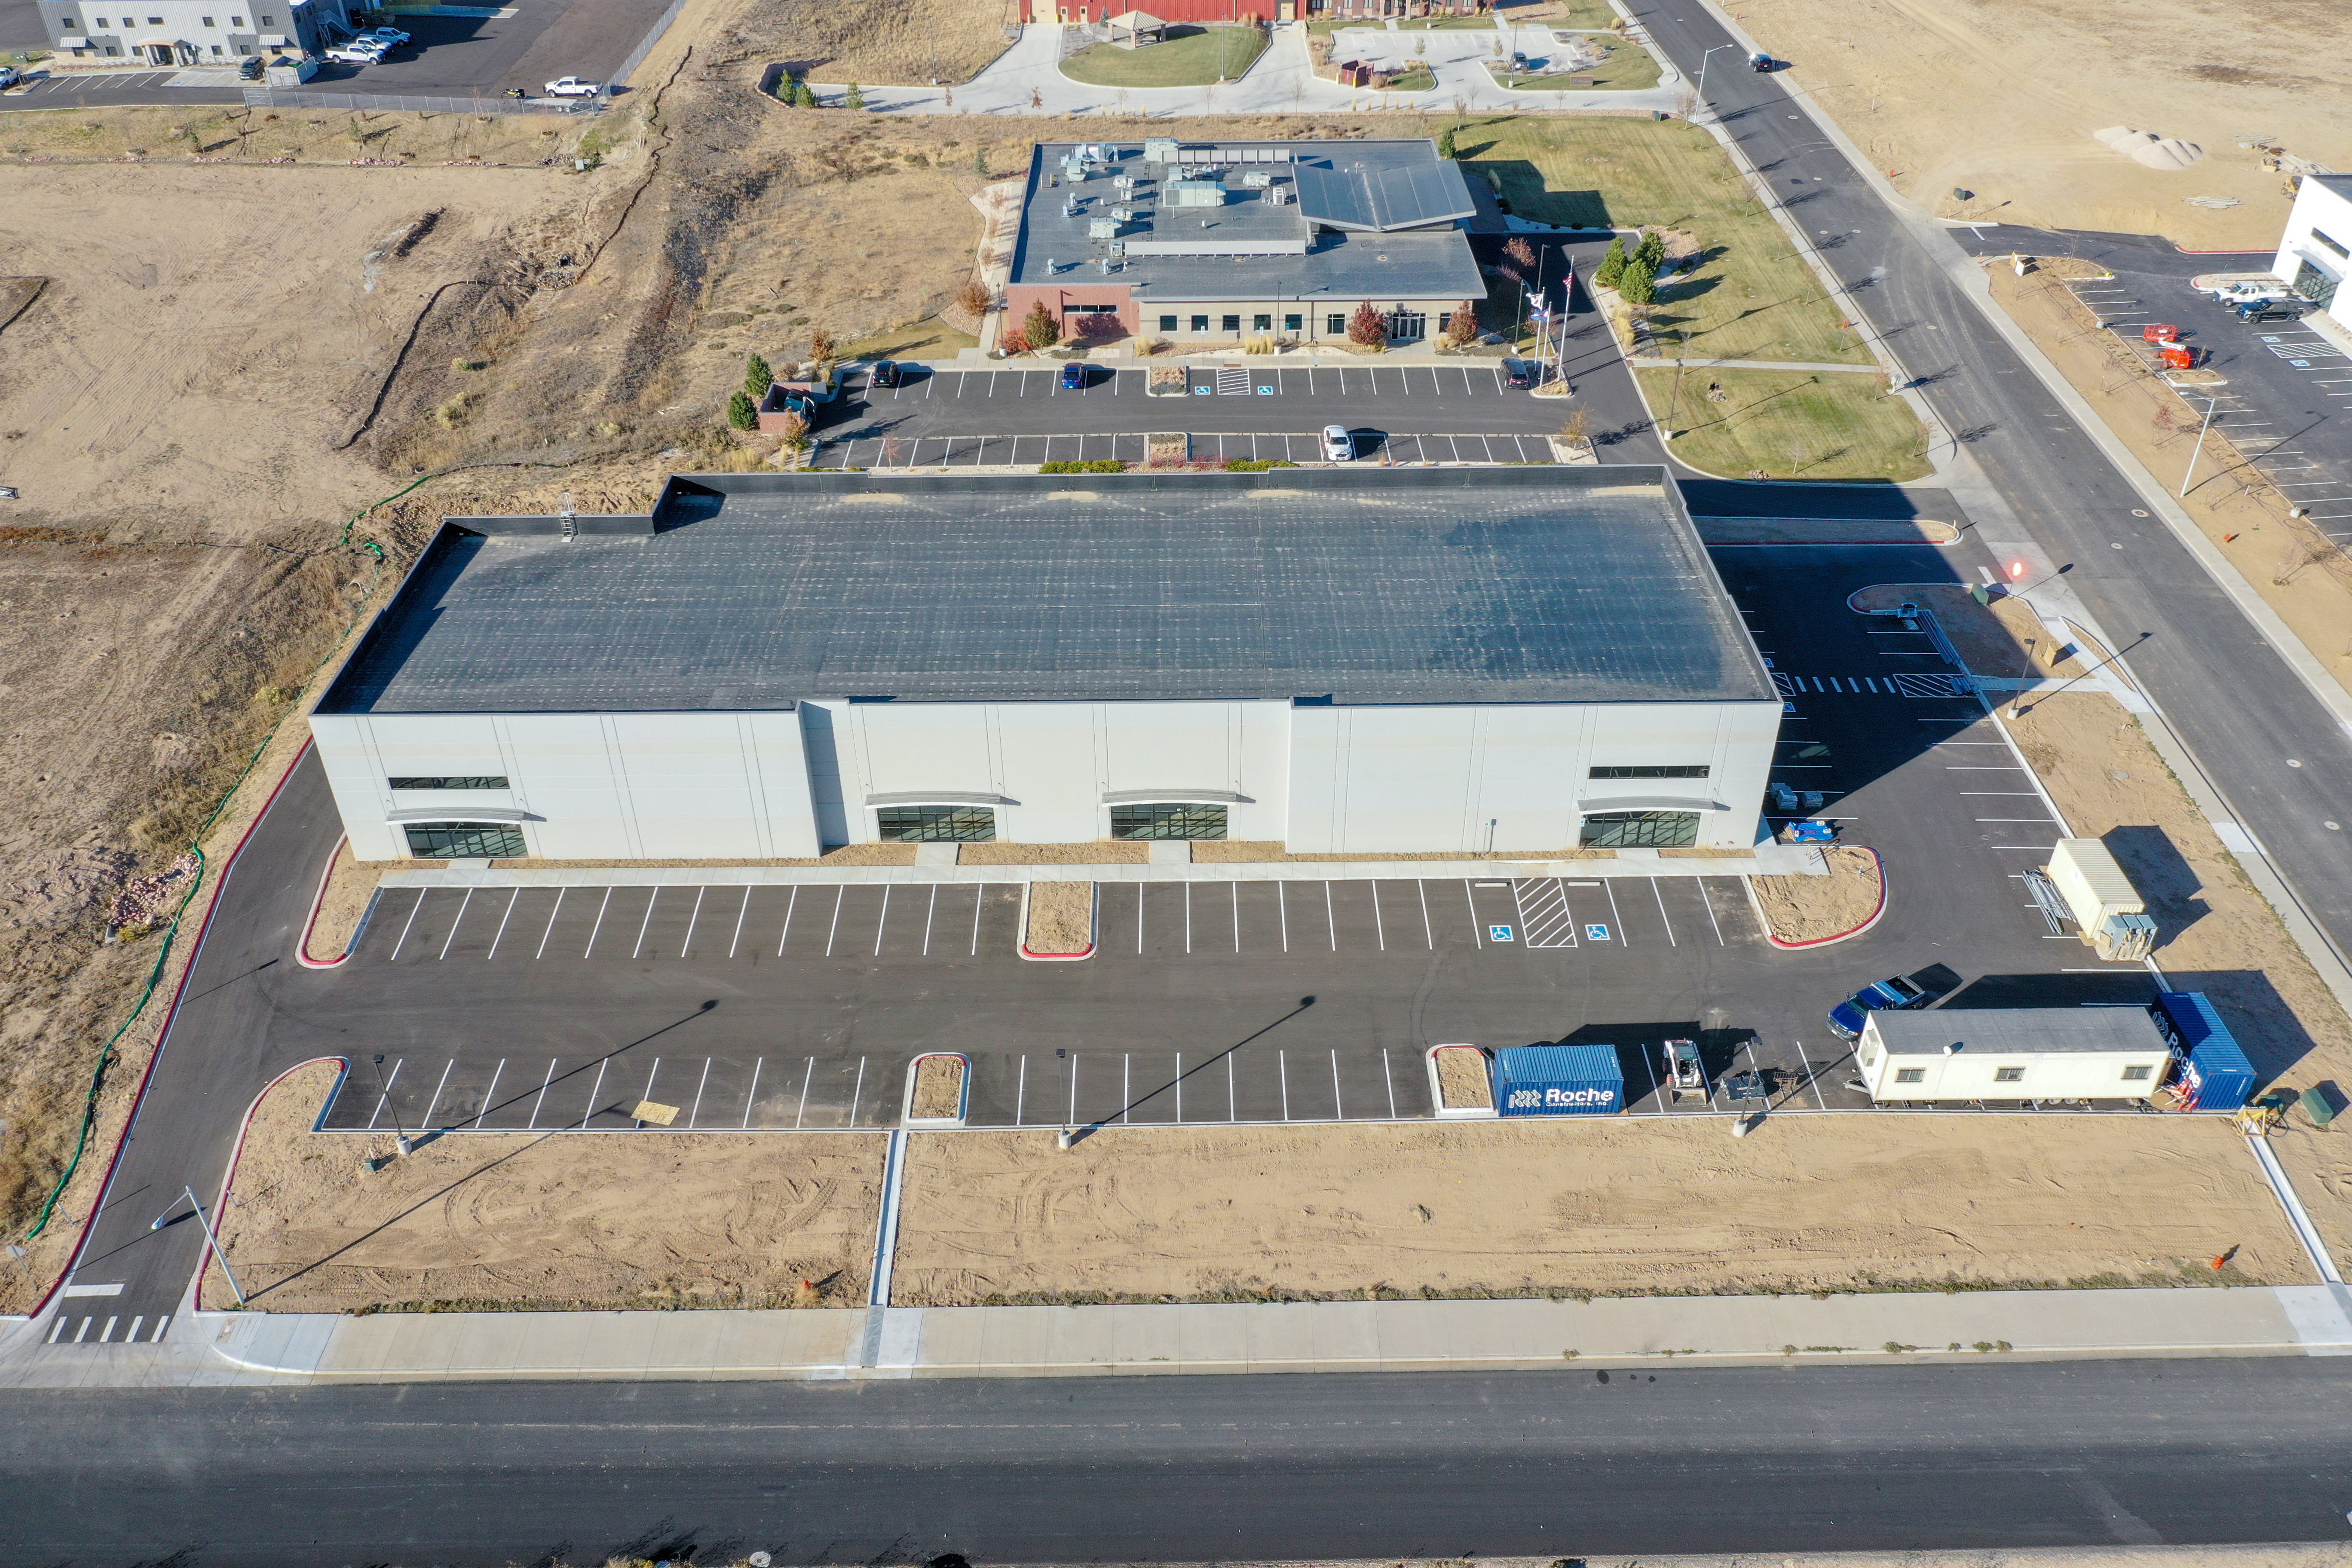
x=2236, y=703
x=507, y=1010
x=1548, y=1464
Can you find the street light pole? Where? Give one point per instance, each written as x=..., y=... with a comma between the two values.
x=1703, y=60
x=2198, y=450
x=384, y=1087
x=233, y=1285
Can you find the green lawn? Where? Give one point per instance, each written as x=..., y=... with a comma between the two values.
x=1190, y=57
x=1628, y=66
x=1417, y=79
x=1750, y=297
x=1791, y=424
x=1573, y=15
x=1423, y=23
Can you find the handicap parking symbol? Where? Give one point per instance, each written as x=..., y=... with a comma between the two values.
x=1265, y=391
x=1596, y=933
x=1203, y=390
x=1498, y=933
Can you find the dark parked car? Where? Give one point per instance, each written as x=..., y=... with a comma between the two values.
x=1073, y=377
x=249, y=69
x=1518, y=373
x=1896, y=995
x=2271, y=311
x=883, y=374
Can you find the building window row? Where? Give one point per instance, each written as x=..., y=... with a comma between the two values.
x=1651, y=770
x=106, y=25
x=977, y=824
x=2138, y=1072
x=466, y=841
x=451, y=780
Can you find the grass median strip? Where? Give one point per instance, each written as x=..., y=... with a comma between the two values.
x=1749, y=295
x=1787, y=425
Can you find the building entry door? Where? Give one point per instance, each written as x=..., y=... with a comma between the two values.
x=160, y=55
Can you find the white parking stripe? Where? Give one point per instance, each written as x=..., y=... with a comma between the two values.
x=599, y=926
x=738, y=940
x=544, y=1083
x=463, y=904
x=491, y=1094
x=412, y=920
x=694, y=1116
x=1661, y=896
x=500, y=934
x=752, y=1097
x=385, y=1091
x=686, y=945
x=807, y=1078
x=437, y=1088
x=550, y=923
x=646, y=925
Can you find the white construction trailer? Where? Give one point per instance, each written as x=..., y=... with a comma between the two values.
x=2013, y=1054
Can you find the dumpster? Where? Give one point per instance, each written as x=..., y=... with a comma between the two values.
x=1557, y=1081
x=2214, y=1072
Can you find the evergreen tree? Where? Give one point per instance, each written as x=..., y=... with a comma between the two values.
x=979, y=160
x=804, y=96
x=1639, y=285
x=788, y=89
x=1612, y=264
x=757, y=377
x=1652, y=251
x=1446, y=142
x=853, y=98
x=741, y=412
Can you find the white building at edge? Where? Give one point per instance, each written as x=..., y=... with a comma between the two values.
x=1517, y=659
x=2317, y=250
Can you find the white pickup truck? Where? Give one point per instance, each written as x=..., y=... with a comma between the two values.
x=2237, y=287
x=573, y=87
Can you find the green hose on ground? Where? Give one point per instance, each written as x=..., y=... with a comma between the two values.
x=195, y=848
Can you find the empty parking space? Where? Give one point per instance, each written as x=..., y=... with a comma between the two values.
x=1244, y=380
x=856, y=450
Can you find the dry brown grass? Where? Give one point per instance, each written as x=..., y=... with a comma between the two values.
x=1061, y=918
x=1101, y=852
x=905, y=43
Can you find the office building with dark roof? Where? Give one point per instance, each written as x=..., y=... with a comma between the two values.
x=1413, y=660
x=1206, y=245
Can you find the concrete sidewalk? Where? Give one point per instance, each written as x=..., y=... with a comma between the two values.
x=1027, y=79
x=1766, y=860
x=215, y=1348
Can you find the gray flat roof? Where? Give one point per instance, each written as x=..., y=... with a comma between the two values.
x=2017, y=1031
x=1360, y=184
x=1395, y=587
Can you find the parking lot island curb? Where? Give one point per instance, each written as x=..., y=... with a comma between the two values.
x=302, y=944
x=1094, y=928
x=228, y=1181
x=1766, y=925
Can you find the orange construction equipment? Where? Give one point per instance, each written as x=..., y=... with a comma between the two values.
x=2177, y=357
x=2161, y=333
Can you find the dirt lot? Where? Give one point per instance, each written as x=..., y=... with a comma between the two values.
x=1593, y=1204
x=2039, y=80
x=1813, y=909
x=560, y=1220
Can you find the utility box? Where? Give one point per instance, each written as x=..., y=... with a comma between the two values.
x=2214, y=1074
x=1160, y=149
x=2108, y=908
x=1558, y=1080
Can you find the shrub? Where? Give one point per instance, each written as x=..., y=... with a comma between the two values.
x=795, y=432
x=819, y=344
x=972, y=297
x=741, y=411
x=853, y=98
x=1639, y=284
x=1613, y=264
x=1446, y=142
x=1255, y=465
x=1367, y=326
x=1089, y=465
x=980, y=161
x=803, y=96
x=1040, y=327
x=1014, y=342
x=1522, y=255
x=757, y=377
x=788, y=89
x=1463, y=331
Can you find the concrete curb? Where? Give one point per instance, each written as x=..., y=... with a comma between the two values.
x=302, y=944
x=1757, y=904
x=195, y=1297
x=1094, y=924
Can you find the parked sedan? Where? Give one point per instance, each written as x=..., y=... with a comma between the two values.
x=883, y=374
x=1338, y=447
x=1073, y=378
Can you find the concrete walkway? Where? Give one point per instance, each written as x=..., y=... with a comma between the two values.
x=217, y=1348
x=1648, y=363
x=1768, y=860
x=1027, y=79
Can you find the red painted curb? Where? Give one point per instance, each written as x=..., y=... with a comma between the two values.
x=303, y=947
x=140, y=1100
x=1056, y=957
x=220, y=1201
x=1857, y=930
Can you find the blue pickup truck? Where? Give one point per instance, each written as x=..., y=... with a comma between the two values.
x=1894, y=994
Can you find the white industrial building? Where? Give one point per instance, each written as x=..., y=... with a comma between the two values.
x=2014, y=1053
x=2317, y=250
x=1343, y=661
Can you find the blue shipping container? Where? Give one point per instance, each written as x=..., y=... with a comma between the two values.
x=1557, y=1081
x=2213, y=1068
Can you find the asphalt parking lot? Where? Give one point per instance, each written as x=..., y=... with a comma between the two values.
x=2286, y=397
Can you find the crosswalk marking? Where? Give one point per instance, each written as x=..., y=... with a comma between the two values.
x=1544, y=918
